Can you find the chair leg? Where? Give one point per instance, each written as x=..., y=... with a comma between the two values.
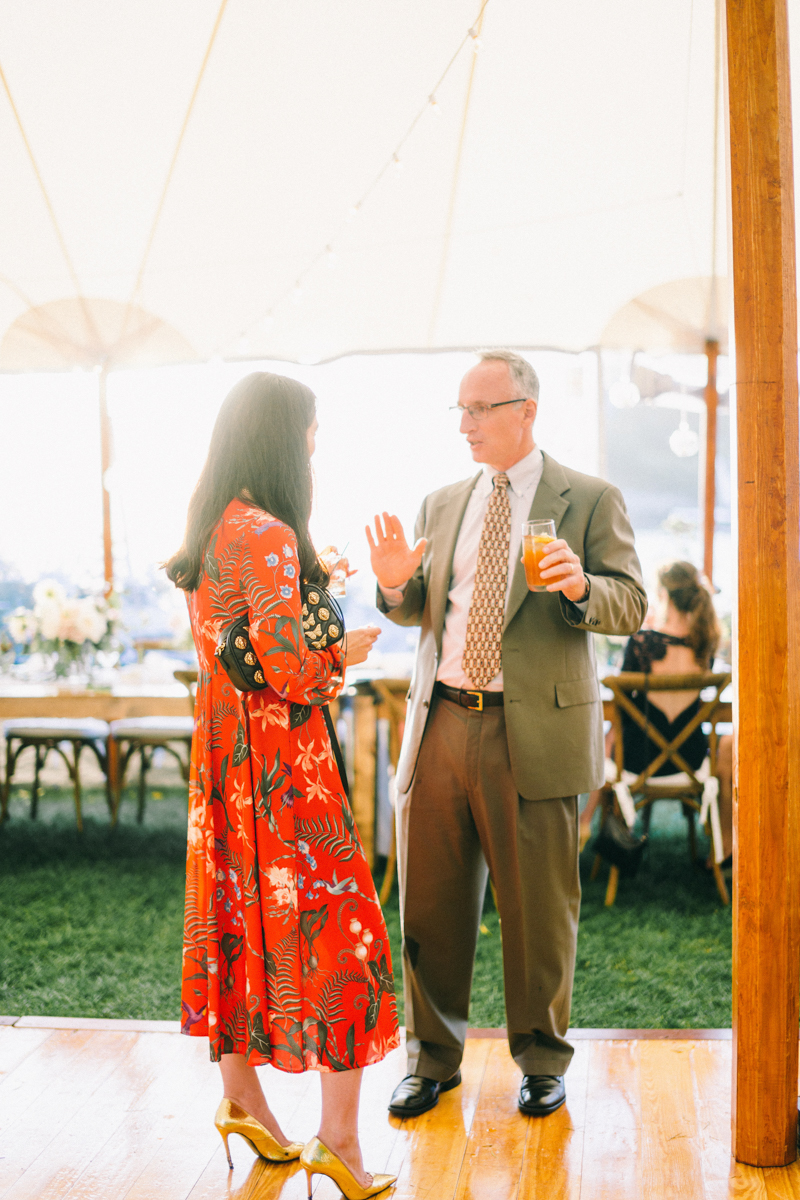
x=611, y=890
x=719, y=880
x=689, y=813
x=144, y=763
x=76, y=783
x=35, y=790
x=391, y=863
x=595, y=871
x=11, y=762
x=113, y=782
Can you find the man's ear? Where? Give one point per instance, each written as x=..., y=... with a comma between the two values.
x=531, y=408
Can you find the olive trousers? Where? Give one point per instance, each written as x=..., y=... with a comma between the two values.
x=461, y=821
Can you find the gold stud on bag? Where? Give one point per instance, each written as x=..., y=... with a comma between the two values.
x=322, y=623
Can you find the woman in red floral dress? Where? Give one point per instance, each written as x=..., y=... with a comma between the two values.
x=286, y=958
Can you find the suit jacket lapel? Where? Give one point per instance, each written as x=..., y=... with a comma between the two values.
x=548, y=502
x=446, y=520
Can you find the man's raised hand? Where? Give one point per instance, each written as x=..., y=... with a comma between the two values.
x=393, y=560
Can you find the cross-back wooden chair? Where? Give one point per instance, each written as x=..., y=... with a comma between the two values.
x=696, y=789
x=392, y=693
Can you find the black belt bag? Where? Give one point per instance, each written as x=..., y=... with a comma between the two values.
x=323, y=626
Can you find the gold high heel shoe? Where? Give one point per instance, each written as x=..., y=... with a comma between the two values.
x=319, y=1160
x=232, y=1118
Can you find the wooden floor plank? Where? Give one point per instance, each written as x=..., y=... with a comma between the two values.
x=27, y=1139
x=184, y=1153
x=496, y=1145
x=126, y=1116
x=551, y=1167
x=671, y=1165
x=124, y=1123
x=37, y=1071
x=611, y=1164
x=711, y=1070
x=782, y=1183
x=429, y=1151
x=16, y=1045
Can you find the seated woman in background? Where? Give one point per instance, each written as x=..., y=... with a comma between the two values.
x=681, y=641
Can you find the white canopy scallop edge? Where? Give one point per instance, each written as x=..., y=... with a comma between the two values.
x=257, y=179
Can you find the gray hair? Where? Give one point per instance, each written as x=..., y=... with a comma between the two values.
x=522, y=373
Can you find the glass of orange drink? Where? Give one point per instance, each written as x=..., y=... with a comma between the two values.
x=536, y=535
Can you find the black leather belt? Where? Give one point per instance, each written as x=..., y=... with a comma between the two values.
x=476, y=701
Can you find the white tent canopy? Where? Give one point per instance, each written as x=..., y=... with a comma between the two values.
x=566, y=167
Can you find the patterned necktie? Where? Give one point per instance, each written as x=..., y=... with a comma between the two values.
x=482, y=648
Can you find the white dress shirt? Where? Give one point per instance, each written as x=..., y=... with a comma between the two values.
x=523, y=480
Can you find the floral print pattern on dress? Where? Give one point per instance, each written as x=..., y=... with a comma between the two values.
x=286, y=957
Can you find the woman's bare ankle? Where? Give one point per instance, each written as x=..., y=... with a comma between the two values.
x=257, y=1107
x=348, y=1149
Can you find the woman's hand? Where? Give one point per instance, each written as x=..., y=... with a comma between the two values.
x=393, y=560
x=359, y=642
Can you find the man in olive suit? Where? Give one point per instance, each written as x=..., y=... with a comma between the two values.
x=504, y=730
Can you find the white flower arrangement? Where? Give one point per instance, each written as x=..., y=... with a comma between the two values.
x=71, y=628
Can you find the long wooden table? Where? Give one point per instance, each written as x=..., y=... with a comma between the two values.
x=103, y=705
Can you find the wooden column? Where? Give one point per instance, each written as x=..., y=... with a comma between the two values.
x=710, y=476
x=362, y=788
x=105, y=463
x=766, y=936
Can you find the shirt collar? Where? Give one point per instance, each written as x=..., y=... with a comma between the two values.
x=520, y=476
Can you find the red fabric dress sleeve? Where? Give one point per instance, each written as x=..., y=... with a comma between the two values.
x=270, y=582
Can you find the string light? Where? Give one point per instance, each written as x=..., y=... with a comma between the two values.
x=683, y=441
x=394, y=163
x=624, y=394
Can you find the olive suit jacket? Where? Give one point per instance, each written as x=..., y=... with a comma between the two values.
x=551, y=696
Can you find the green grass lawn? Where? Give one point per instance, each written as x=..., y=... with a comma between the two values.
x=90, y=925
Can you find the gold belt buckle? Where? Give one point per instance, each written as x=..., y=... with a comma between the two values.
x=479, y=706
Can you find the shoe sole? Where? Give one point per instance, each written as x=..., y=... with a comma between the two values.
x=541, y=1110
x=447, y=1086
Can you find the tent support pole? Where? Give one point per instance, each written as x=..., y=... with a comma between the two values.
x=766, y=914
x=105, y=463
x=710, y=476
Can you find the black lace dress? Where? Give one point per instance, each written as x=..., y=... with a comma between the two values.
x=642, y=650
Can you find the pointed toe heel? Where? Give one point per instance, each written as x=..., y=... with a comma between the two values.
x=232, y=1118
x=317, y=1159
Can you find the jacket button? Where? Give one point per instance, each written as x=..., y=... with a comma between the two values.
x=424, y=703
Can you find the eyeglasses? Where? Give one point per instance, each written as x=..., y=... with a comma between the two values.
x=478, y=412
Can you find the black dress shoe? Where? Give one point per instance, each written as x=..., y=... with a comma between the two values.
x=415, y=1094
x=541, y=1094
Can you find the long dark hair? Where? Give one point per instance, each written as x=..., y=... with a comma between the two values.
x=689, y=595
x=258, y=447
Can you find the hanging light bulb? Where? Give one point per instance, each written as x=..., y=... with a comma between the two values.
x=624, y=394
x=476, y=41
x=683, y=441
x=297, y=294
x=353, y=211
x=435, y=106
x=331, y=258
x=397, y=162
